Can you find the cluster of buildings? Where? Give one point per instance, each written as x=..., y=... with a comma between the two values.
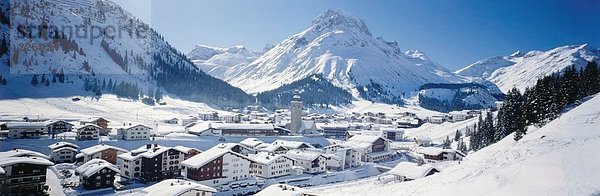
x=224, y=167
x=83, y=129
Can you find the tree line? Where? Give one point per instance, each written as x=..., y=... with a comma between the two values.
x=537, y=105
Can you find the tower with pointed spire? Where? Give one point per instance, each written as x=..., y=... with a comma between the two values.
x=296, y=113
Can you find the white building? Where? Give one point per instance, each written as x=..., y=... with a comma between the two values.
x=270, y=165
x=251, y=142
x=371, y=148
x=236, y=129
x=434, y=154
x=313, y=162
x=63, y=152
x=152, y=162
x=88, y=132
x=101, y=151
x=134, y=132
x=230, y=118
x=458, y=116
x=406, y=171
x=341, y=158
x=176, y=187
x=296, y=114
x=291, y=145
x=173, y=121
x=437, y=119
x=216, y=167
x=17, y=130
x=208, y=116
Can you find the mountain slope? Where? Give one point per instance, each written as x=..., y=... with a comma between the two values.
x=96, y=40
x=522, y=70
x=314, y=90
x=553, y=160
x=217, y=61
x=340, y=47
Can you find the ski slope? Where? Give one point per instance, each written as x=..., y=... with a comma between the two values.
x=558, y=159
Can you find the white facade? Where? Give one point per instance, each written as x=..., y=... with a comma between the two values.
x=216, y=167
x=312, y=162
x=208, y=116
x=296, y=114
x=136, y=132
x=436, y=119
x=270, y=166
x=88, y=132
x=26, y=129
x=63, y=155
x=458, y=116
x=341, y=158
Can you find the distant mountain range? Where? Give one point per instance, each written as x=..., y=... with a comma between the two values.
x=523, y=69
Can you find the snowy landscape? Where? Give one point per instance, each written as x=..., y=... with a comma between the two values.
x=332, y=109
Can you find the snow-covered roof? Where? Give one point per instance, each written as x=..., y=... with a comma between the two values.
x=410, y=170
x=371, y=133
x=130, y=126
x=49, y=122
x=333, y=125
x=230, y=146
x=251, y=142
x=266, y=147
x=433, y=151
x=2, y=172
x=5, y=161
x=172, y=187
x=266, y=158
x=304, y=155
x=62, y=144
x=150, y=151
x=199, y=128
x=22, y=153
x=281, y=190
x=291, y=144
x=207, y=156
x=92, y=119
x=91, y=167
x=65, y=148
x=361, y=141
x=26, y=125
x=86, y=125
x=463, y=112
x=100, y=147
x=222, y=126
x=185, y=149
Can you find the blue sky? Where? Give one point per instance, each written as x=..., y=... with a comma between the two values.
x=453, y=33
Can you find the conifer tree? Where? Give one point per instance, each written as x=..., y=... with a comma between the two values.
x=34, y=80
x=457, y=135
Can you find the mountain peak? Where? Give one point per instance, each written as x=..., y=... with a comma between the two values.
x=339, y=20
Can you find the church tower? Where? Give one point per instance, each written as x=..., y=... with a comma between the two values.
x=296, y=110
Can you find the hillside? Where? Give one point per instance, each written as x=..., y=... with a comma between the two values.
x=217, y=61
x=523, y=69
x=547, y=161
x=109, y=44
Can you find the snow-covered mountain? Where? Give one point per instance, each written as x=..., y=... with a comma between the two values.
x=97, y=41
x=553, y=160
x=522, y=70
x=340, y=47
x=217, y=61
